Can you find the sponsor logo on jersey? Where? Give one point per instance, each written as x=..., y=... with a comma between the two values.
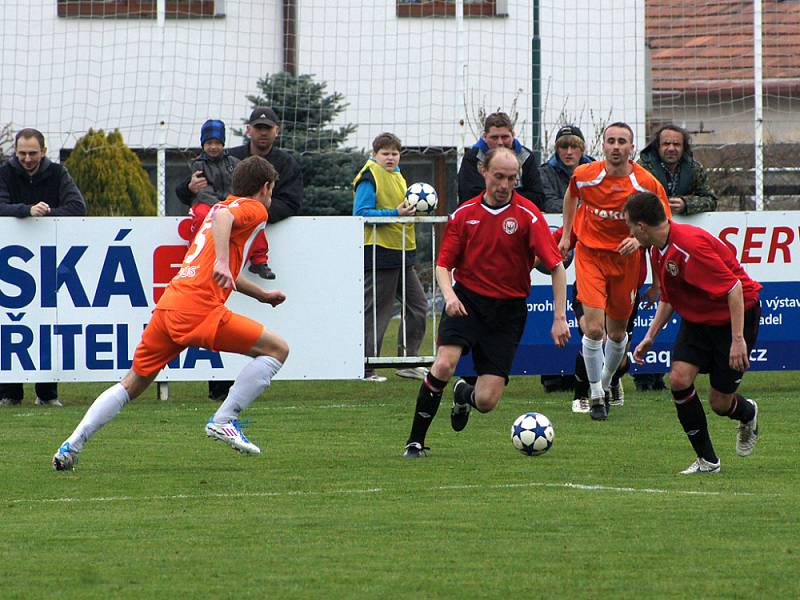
x=473, y=222
x=602, y=213
x=510, y=225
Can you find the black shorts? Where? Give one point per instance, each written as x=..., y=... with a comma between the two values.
x=492, y=330
x=577, y=308
x=708, y=347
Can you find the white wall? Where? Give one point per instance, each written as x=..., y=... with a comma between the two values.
x=64, y=76
x=402, y=74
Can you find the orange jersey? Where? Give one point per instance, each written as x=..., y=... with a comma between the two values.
x=599, y=220
x=193, y=289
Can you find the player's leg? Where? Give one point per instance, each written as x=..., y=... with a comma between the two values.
x=501, y=323
x=155, y=349
x=592, y=294
x=622, y=287
x=692, y=417
x=615, y=348
x=429, y=396
x=723, y=396
x=237, y=333
x=691, y=354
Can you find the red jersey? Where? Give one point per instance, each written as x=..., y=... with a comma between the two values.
x=697, y=271
x=599, y=220
x=493, y=249
x=193, y=290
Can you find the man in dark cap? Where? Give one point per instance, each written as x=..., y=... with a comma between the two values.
x=555, y=173
x=263, y=128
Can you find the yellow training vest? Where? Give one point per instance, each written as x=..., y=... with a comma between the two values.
x=390, y=190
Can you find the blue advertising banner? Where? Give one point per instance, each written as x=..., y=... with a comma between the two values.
x=768, y=246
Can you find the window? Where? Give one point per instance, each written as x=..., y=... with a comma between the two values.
x=447, y=8
x=139, y=9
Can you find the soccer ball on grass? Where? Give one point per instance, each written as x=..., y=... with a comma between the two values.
x=532, y=434
x=423, y=197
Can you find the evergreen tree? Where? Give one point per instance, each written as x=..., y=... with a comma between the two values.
x=110, y=176
x=307, y=112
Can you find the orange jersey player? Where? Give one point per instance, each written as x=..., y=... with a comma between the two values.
x=607, y=260
x=192, y=312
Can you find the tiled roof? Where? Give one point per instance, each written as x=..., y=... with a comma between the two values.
x=708, y=46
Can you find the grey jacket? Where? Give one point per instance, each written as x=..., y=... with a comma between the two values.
x=218, y=172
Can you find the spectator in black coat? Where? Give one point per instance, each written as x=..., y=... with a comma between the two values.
x=33, y=186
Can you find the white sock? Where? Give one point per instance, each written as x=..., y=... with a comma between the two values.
x=593, y=357
x=250, y=383
x=615, y=352
x=102, y=410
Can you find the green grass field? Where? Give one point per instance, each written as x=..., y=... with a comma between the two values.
x=332, y=510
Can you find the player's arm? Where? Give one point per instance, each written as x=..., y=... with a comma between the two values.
x=560, y=330
x=248, y=288
x=570, y=206
x=221, y=224
x=663, y=314
x=452, y=305
x=738, y=359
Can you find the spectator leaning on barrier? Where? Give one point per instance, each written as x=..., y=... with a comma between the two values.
x=379, y=191
x=216, y=165
x=33, y=186
x=669, y=158
x=287, y=198
x=262, y=130
x=498, y=131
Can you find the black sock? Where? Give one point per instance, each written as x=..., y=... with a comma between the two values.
x=465, y=394
x=693, y=419
x=741, y=409
x=428, y=400
x=581, y=378
x=621, y=370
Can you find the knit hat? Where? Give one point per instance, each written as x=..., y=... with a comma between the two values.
x=570, y=130
x=213, y=129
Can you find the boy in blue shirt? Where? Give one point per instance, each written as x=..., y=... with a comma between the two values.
x=379, y=191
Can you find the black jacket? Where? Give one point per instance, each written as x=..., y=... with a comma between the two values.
x=287, y=197
x=51, y=184
x=471, y=183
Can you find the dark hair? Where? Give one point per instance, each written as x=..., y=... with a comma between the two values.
x=687, y=139
x=251, y=174
x=498, y=119
x=29, y=132
x=491, y=154
x=618, y=124
x=386, y=140
x=646, y=208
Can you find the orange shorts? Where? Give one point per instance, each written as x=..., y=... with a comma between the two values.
x=607, y=280
x=170, y=331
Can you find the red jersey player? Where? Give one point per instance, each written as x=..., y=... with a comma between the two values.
x=720, y=312
x=490, y=245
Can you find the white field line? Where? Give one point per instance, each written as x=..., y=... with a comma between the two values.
x=500, y=486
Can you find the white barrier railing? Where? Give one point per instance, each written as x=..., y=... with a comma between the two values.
x=405, y=360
